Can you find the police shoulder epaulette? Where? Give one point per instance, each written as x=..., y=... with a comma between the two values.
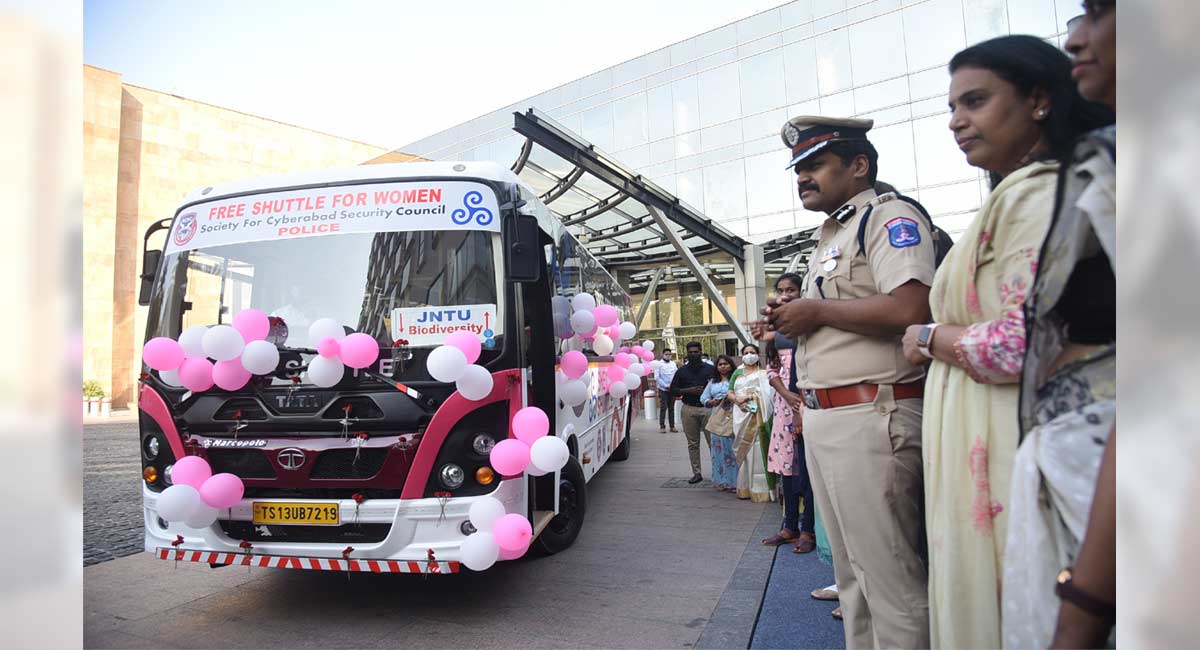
x=883, y=198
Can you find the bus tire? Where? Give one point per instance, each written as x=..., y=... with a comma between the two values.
x=622, y=450
x=561, y=532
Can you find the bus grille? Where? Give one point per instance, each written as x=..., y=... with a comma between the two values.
x=340, y=463
x=245, y=463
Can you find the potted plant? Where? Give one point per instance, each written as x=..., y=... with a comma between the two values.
x=92, y=392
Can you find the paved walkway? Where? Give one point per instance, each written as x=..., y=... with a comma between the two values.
x=649, y=570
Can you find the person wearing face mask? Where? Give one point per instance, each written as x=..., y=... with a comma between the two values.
x=666, y=400
x=1059, y=585
x=752, y=396
x=689, y=383
x=1014, y=113
x=862, y=416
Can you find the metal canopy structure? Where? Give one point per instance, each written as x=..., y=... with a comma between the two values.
x=611, y=210
x=605, y=204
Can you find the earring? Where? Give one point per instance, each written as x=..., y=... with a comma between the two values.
x=1041, y=114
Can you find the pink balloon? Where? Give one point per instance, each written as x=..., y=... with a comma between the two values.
x=513, y=555
x=222, y=490
x=360, y=350
x=606, y=315
x=190, y=470
x=590, y=335
x=625, y=349
x=623, y=359
x=329, y=347
x=467, y=342
x=529, y=424
x=162, y=353
x=615, y=373
x=614, y=332
x=638, y=351
x=196, y=374
x=253, y=324
x=647, y=356
x=512, y=532
x=510, y=457
x=574, y=364
x=230, y=375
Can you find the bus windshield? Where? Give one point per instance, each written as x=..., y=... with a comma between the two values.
x=357, y=279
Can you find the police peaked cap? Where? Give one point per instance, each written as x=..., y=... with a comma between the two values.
x=808, y=134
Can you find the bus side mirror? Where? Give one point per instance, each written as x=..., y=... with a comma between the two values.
x=522, y=254
x=150, y=260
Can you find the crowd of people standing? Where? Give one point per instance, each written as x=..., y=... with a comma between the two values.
x=945, y=415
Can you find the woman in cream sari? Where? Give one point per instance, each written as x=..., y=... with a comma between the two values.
x=751, y=392
x=1015, y=112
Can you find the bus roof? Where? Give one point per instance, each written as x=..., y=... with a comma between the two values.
x=466, y=170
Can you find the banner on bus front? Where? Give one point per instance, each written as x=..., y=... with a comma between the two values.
x=382, y=207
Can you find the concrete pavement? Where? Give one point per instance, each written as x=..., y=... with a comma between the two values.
x=650, y=569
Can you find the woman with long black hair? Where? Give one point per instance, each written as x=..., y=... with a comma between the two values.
x=1015, y=113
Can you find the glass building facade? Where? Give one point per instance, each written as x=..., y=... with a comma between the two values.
x=701, y=117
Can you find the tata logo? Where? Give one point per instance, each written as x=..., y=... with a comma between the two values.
x=291, y=458
x=185, y=229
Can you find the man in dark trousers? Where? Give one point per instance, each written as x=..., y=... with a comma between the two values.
x=689, y=383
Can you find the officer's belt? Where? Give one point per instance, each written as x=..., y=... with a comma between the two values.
x=831, y=398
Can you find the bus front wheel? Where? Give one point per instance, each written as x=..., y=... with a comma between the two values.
x=562, y=530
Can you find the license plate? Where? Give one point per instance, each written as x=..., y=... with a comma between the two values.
x=305, y=514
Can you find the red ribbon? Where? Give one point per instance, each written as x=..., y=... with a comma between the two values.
x=346, y=552
x=358, y=497
x=433, y=563
x=178, y=540
x=246, y=546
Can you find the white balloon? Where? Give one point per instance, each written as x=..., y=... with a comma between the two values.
x=325, y=328
x=549, y=453
x=637, y=369
x=475, y=383
x=325, y=372
x=178, y=502
x=560, y=305
x=602, y=344
x=632, y=380
x=204, y=517
x=484, y=512
x=583, y=322
x=560, y=378
x=618, y=389
x=655, y=365
x=648, y=344
x=628, y=330
x=573, y=393
x=170, y=377
x=260, y=357
x=533, y=471
x=446, y=363
x=222, y=343
x=192, y=340
x=583, y=302
x=479, y=551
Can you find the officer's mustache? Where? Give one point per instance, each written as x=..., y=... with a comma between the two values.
x=804, y=187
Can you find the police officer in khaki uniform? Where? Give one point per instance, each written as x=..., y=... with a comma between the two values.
x=862, y=421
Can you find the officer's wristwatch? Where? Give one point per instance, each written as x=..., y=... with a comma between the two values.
x=925, y=338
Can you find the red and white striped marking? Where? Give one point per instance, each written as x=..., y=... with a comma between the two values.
x=311, y=563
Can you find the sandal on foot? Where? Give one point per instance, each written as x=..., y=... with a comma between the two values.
x=807, y=543
x=784, y=536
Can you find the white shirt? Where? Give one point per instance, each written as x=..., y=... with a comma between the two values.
x=665, y=373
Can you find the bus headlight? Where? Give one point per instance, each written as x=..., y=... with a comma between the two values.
x=483, y=444
x=452, y=476
x=150, y=447
x=167, y=474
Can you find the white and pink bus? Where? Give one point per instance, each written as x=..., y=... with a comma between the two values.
x=376, y=472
